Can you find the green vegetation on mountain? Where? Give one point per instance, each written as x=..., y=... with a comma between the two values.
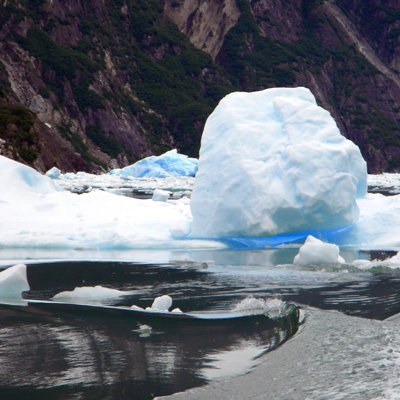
x=118, y=80
x=16, y=125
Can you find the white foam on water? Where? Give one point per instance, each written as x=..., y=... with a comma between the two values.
x=272, y=307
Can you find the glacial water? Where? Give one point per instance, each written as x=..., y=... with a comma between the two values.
x=346, y=345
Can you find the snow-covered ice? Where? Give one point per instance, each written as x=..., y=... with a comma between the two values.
x=35, y=212
x=316, y=252
x=274, y=162
x=18, y=180
x=168, y=164
x=13, y=281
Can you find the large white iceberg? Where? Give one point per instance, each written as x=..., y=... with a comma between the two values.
x=274, y=162
x=168, y=164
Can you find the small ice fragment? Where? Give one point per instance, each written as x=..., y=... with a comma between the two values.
x=162, y=303
x=316, y=252
x=160, y=195
x=144, y=330
x=53, y=173
x=177, y=310
x=13, y=281
x=135, y=307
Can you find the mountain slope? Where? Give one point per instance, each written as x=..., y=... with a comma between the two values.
x=99, y=84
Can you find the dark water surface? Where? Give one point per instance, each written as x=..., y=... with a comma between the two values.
x=52, y=354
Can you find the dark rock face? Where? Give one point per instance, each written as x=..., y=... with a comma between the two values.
x=100, y=84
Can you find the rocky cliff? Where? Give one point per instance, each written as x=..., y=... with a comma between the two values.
x=97, y=84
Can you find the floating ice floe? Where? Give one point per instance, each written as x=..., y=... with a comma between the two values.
x=168, y=164
x=274, y=162
x=317, y=252
x=91, y=293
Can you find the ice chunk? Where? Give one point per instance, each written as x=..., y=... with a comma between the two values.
x=160, y=195
x=316, y=252
x=53, y=173
x=168, y=164
x=274, y=162
x=19, y=179
x=96, y=293
x=135, y=307
x=162, y=303
x=13, y=281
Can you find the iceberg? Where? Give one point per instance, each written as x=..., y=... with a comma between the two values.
x=274, y=162
x=168, y=164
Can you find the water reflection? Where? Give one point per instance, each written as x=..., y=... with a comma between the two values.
x=51, y=354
